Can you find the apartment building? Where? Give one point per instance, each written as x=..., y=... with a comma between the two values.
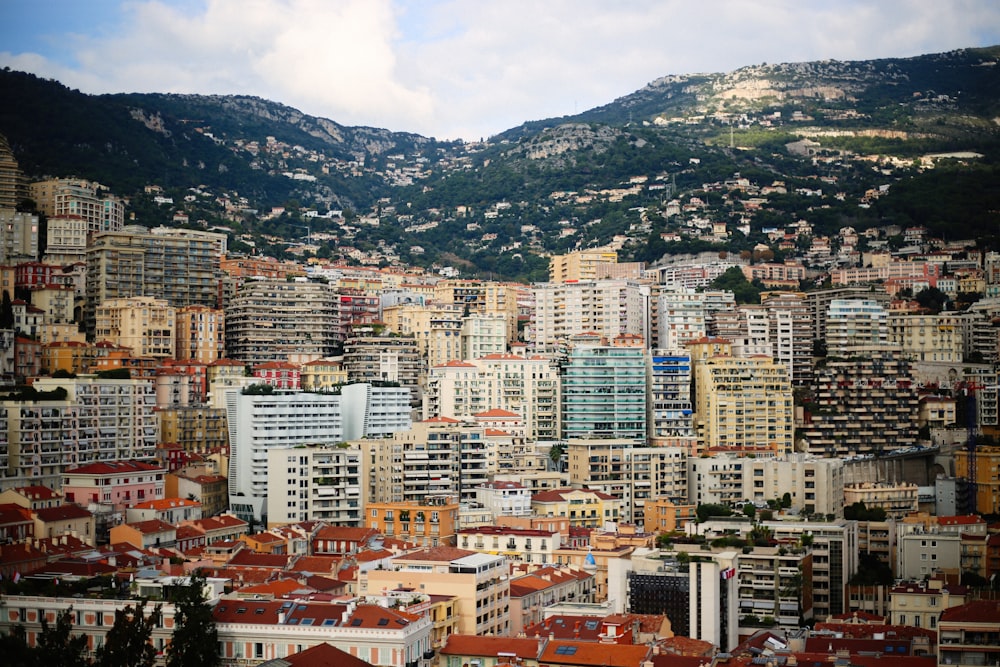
x=323, y=374
x=927, y=337
x=815, y=485
x=585, y=508
x=743, y=402
x=898, y=500
x=66, y=240
x=671, y=411
x=18, y=236
x=433, y=457
x=495, y=304
x=478, y=581
x=143, y=324
x=987, y=479
x=430, y=522
x=969, y=634
x=120, y=484
x=99, y=420
x=88, y=200
x=505, y=498
x=519, y=545
x=436, y=328
x=315, y=483
x=180, y=266
x=526, y=386
x=604, y=389
x=580, y=265
x=607, y=308
x=833, y=546
x=774, y=585
x=371, y=358
x=818, y=303
x=920, y=603
x=862, y=408
x=634, y=474
x=259, y=422
x=280, y=320
x=684, y=315
x=856, y=327
x=200, y=333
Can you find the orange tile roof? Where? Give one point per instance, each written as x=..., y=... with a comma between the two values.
x=472, y=645
x=324, y=655
x=585, y=654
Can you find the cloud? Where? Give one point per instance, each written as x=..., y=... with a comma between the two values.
x=471, y=68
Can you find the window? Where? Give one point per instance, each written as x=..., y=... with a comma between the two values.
x=258, y=650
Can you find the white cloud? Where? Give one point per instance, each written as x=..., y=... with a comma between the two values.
x=472, y=68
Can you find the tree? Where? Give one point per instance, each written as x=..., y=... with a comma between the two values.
x=195, y=639
x=56, y=645
x=127, y=643
x=786, y=500
x=556, y=452
x=750, y=510
x=708, y=510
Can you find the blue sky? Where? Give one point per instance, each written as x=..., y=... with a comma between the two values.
x=456, y=68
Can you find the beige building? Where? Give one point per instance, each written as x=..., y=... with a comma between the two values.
x=633, y=474
x=527, y=386
x=919, y=603
x=585, y=508
x=18, y=236
x=815, y=485
x=927, y=337
x=436, y=328
x=66, y=240
x=743, y=402
x=144, y=324
x=898, y=500
x=521, y=545
x=197, y=428
x=484, y=298
x=580, y=265
x=200, y=334
x=61, y=197
x=478, y=582
x=323, y=374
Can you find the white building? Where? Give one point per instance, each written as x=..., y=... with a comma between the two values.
x=815, y=485
x=314, y=483
x=608, y=308
x=258, y=422
x=505, y=498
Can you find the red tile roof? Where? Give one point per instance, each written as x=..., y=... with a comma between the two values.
x=115, y=468
x=471, y=645
x=566, y=652
x=557, y=495
x=151, y=526
x=977, y=611
x=324, y=655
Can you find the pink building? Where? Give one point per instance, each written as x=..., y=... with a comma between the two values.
x=122, y=484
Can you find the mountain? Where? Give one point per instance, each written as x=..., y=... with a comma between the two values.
x=616, y=173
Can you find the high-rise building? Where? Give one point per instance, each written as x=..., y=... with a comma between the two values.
x=671, y=412
x=856, y=327
x=484, y=298
x=686, y=315
x=143, y=324
x=604, y=389
x=18, y=236
x=741, y=402
x=258, y=422
x=315, y=483
x=371, y=358
x=927, y=337
x=98, y=420
x=13, y=186
x=527, y=386
x=607, y=308
x=60, y=197
x=200, y=333
x=862, y=408
x=281, y=320
x=180, y=266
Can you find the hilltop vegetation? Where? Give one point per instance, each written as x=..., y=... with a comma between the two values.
x=649, y=172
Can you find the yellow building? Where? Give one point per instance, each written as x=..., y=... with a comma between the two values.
x=144, y=324
x=581, y=265
x=323, y=374
x=665, y=516
x=478, y=583
x=482, y=297
x=987, y=476
x=584, y=508
x=195, y=429
x=738, y=401
x=437, y=329
x=70, y=356
x=200, y=334
x=430, y=523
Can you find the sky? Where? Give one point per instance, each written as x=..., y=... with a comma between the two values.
x=454, y=69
